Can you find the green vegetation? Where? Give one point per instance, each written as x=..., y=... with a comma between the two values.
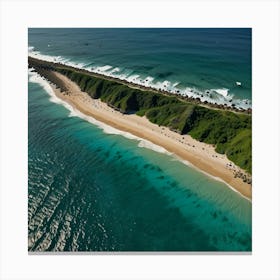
x=231, y=133
x=117, y=95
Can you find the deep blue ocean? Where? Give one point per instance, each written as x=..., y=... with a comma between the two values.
x=207, y=63
x=91, y=189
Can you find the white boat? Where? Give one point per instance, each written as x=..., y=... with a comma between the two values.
x=238, y=84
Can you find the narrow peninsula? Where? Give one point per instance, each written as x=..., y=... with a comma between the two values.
x=215, y=139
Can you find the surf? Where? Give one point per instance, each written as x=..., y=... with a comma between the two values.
x=220, y=96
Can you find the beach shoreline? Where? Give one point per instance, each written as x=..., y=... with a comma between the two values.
x=200, y=155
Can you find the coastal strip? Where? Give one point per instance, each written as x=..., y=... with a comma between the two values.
x=198, y=154
x=131, y=84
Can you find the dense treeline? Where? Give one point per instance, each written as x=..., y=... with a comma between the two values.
x=231, y=133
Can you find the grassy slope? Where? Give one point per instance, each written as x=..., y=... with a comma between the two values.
x=229, y=132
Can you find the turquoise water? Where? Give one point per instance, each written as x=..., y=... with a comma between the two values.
x=93, y=191
x=204, y=63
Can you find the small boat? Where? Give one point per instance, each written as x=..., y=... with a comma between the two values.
x=238, y=84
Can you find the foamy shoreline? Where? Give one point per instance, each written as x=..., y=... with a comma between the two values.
x=222, y=99
x=200, y=155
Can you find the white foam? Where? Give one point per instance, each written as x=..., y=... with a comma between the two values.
x=36, y=78
x=106, y=128
x=132, y=78
x=151, y=146
x=104, y=68
x=176, y=158
x=220, y=96
x=149, y=79
x=116, y=69
x=57, y=59
x=221, y=91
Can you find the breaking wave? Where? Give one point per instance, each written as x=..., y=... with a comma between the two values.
x=219, y=96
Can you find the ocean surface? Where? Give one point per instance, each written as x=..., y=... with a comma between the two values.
x=94, y=188
x=213, y=64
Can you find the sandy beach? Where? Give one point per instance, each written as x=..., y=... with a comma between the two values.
x=200, y=155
